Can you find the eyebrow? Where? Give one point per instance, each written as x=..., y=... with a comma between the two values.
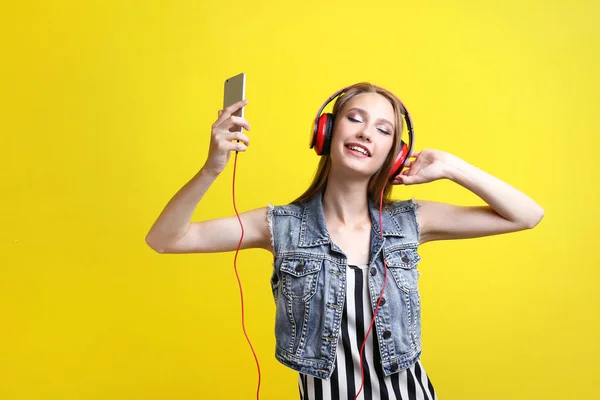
x=364, y=113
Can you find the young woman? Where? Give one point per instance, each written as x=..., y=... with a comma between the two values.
x=344, y=251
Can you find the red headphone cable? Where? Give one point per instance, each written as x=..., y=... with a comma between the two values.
x=362, y=347
x=238, y=277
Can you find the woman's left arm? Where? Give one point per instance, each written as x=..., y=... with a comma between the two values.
x=508, y=209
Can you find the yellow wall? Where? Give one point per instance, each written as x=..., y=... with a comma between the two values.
x=106, y=110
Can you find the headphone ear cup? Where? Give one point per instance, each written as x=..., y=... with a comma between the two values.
x=323, y=134
x=400, y=160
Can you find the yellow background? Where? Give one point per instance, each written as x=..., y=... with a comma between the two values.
x=106, y=108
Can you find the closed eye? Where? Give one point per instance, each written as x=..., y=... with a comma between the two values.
x=382, y=130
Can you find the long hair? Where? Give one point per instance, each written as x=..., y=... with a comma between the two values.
x=379, y=180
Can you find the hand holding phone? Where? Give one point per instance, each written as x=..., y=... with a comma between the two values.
x=229, y=126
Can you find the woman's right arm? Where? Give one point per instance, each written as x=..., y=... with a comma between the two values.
x=173, y=231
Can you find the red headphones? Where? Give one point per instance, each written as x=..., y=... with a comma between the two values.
x=323, y=130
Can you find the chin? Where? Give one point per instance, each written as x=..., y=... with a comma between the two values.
x=354, y=173
x=349, y=165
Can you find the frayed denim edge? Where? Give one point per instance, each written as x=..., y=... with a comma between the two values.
x=415, y=207
x=270, y=221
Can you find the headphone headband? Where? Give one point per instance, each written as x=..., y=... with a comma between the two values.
x=339, y=92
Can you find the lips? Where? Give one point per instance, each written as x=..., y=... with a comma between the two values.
x=359, y=148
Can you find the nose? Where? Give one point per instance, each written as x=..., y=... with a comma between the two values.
x=364, y=134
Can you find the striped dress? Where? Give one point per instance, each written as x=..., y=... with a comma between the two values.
x=410, y=384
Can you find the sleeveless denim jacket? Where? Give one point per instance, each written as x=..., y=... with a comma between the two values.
x=309, y=286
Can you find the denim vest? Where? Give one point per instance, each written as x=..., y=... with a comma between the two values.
x=309, y=286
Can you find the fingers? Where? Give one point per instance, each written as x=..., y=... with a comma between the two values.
x=411, y=160
x=229, y=136
x=237, y=146
x=225, y=146
x=397, y=180
x=227, y=131
x=232, y=123
x=239, y=121
x=236, y=106
x=228, y=111
x=225, y=141
x=231, y=129
x=404, y=179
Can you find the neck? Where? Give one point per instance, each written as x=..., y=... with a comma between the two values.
x=345, y=203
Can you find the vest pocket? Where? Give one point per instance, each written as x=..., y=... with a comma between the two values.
x=402, y=264
x=299, y=277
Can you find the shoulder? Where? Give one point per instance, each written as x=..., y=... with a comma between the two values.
x=284, y=217
x=284, y=224
x=292, y=210
x=405, y=216
x=398, y=207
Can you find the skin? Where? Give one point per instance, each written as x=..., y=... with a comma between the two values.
x=345, y=204
x=361, y=122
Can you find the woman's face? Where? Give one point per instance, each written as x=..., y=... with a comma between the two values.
x=363, y=134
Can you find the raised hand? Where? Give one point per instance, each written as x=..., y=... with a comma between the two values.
x=225, y=130
x=424, y=166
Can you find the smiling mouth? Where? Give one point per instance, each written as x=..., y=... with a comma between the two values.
x=359, y=149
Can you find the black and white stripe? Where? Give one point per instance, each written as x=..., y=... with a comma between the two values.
x=410, y=384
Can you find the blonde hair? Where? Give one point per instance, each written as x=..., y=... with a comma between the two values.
x=379, y=180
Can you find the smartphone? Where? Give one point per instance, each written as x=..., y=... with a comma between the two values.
x=234, y=91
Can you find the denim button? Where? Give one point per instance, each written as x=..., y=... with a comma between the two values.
x=394, y=367
x=373, y=271
x=299, y=267
x=404, y=259
x=382, y=301
x=387, y=334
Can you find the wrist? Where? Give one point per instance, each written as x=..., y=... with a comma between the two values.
x=207, y=172
x=454, y=167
